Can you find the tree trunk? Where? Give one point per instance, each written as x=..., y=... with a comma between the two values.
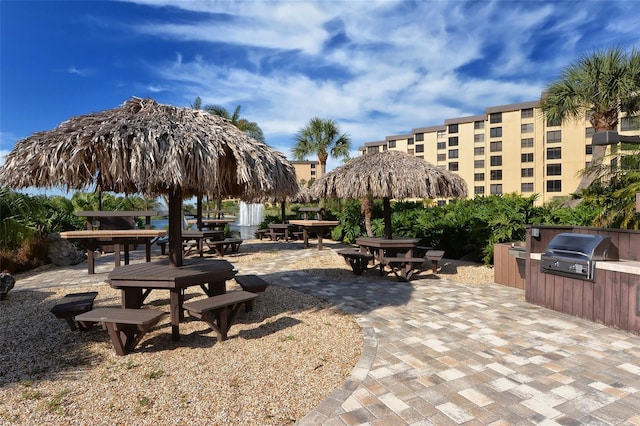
x=386, y=203
x=367, y=210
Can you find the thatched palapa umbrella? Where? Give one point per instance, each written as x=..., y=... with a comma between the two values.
x=387, y=175
x=150, y=148
x=301, y=195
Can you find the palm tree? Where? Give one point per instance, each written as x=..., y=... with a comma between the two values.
x=321, y=137
x=603, y=84
x=249, y=128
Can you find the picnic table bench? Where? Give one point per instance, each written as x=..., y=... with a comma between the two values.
x=126, y=327
x=404, y=267
x=253, y=284
x=74, y=304
x=358, y=260
x=228, y=244
x=219, y=311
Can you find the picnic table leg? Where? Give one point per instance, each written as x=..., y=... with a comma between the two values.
x=175, y=307
x=319, y=233
x=305, y=237
x=132, y=298
x=91, y=268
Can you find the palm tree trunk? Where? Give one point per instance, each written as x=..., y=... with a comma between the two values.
x=366, y=209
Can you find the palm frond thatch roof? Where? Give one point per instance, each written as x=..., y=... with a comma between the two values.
x=147, y=147
x=389, y=174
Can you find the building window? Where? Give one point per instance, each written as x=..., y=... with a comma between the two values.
x=478, y=164
x=554, y=136
x=495, y=188
x=526, y=158
x=495, y=174
x=526, y=113
x=526, y=187
x=554, y=123
x=478, y=190
x=453, y=141
x=453, y=167
x=442, y=157
x=441, y=134
x=453, y=153
x=372, y=149
x=496, y=117
x=495, y=146
x=420, y=157
x=392, y=144
x=588, y=149
x=410, y=141
x=313, y=166
x=479, y=150
x=478, y=125
x=554, y=186
x=441, y=145
x=526, y=128
x=526, y=172
x=554, y=153
x=630, y=123
x=478, y=177
x=419, y=137
x=453, y=128
x=526, y=143
x=478, y=137
x=554, y=169
x=419, y=148
x=442, y=203
x=496, y=160
x=589, y=131
x=385, y=147
x=495, y=132
x=313, y=172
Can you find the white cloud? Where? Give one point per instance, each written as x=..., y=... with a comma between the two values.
x=387, y=66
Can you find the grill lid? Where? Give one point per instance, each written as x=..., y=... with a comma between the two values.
x=593, y=247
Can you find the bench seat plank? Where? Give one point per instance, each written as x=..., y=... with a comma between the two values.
x=219, y=311
x=73, y=304
x=358, y=260
x=404, y=267
x=126, y=327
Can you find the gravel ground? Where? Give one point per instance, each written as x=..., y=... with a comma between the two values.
x=280, y=361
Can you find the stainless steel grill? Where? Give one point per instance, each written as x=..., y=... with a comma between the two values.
x=574, y=255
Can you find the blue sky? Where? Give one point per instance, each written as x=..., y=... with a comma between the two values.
x=378, y=68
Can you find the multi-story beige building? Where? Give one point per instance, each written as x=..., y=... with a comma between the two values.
x=306, y=171
x=509, y=148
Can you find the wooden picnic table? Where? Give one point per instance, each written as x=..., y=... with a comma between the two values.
x=277, y=229
x=382, y=248
x=93, y=239
x=136, y=282
x=319, y=226
x=210, y=223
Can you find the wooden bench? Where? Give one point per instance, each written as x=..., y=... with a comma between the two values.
x=74, y=304
x=222, y=246
x=434, y=256
x=219, y=311
x=262, y=233
x=358, y=260
x=126, y=327
x=253, y=284
x=404, y=267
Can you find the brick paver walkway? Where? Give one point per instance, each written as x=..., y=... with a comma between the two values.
x=443, y=353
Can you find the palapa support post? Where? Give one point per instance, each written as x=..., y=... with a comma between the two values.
x=175, y=226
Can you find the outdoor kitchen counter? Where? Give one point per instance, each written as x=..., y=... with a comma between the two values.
x=631, y=267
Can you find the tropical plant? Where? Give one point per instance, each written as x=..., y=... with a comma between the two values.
x=602, y=84
x=249, y=128
x=321, y=137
